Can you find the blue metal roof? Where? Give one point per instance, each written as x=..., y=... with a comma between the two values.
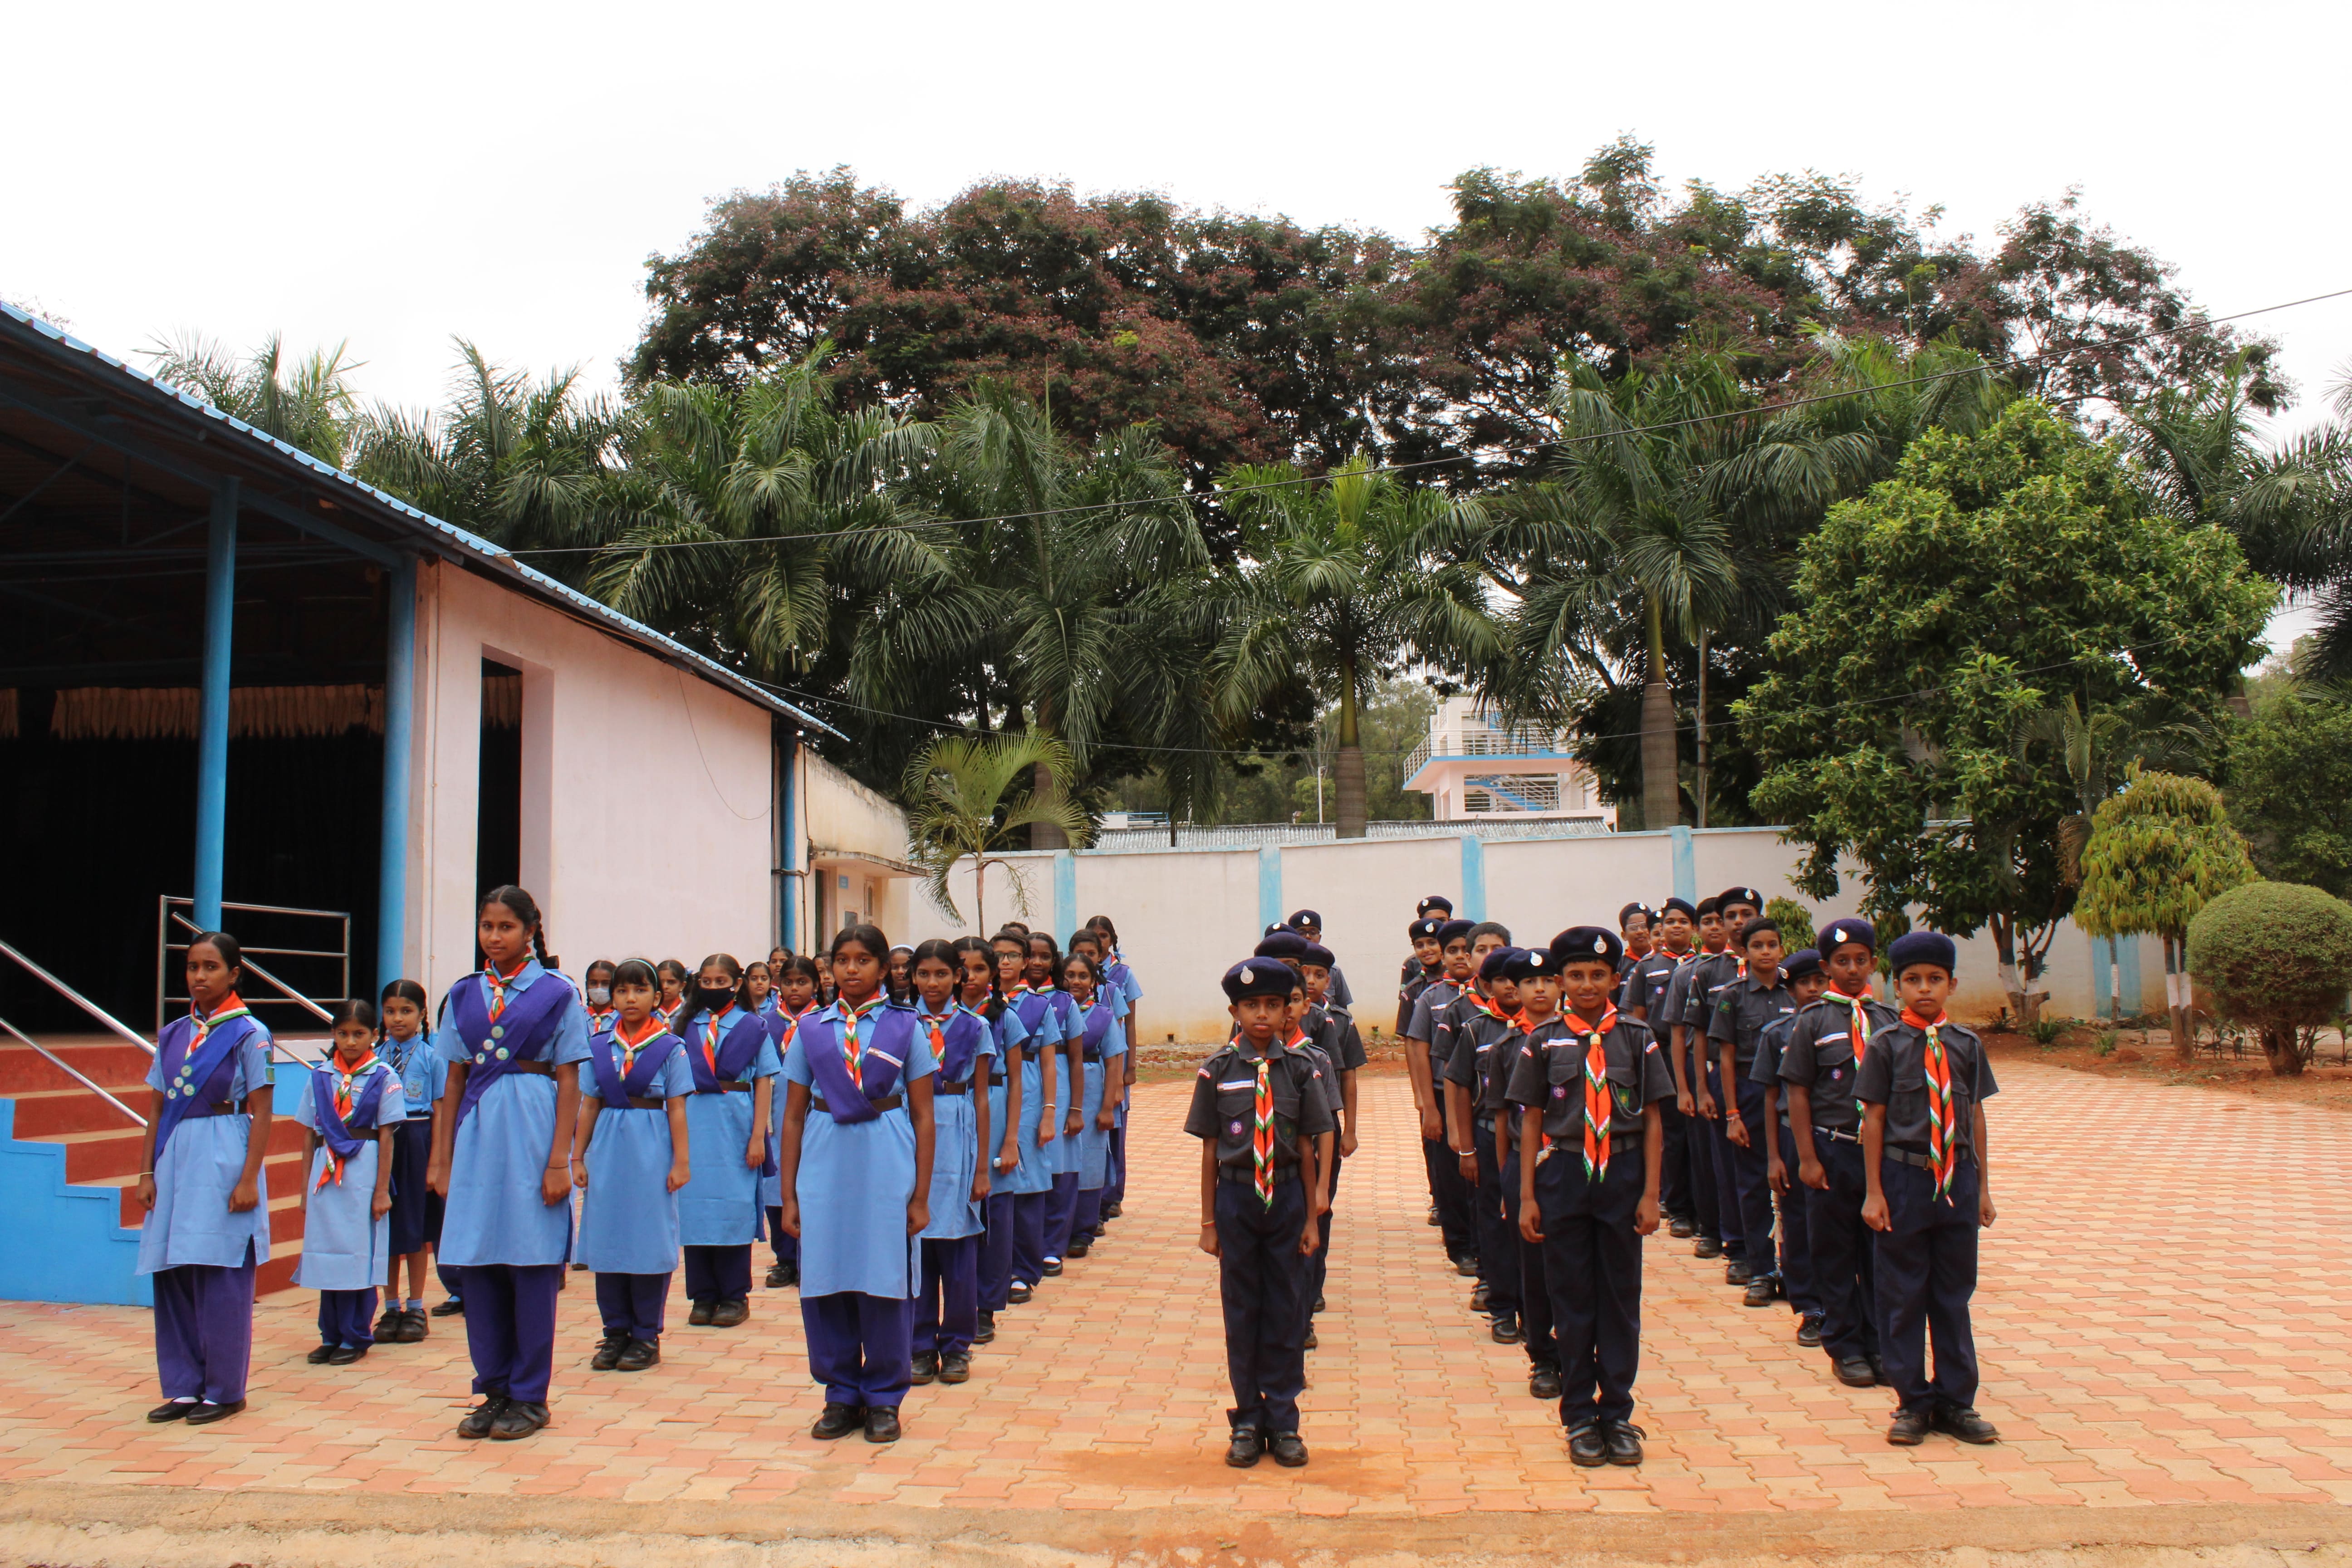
x=471, y=547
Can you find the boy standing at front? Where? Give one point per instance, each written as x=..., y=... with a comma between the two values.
x=1257, y=1111
x=1742, y=1008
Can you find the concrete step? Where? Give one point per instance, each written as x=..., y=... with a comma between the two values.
x=114, y=1063
x=99, y=1153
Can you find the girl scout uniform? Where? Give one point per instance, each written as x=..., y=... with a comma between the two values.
x=415, y=1210
x=1001, y=1217
x=718, y=1212
x=1065, y=1157
x=1105, y=1045
x=628, y=1216
x=346, y=1250
x=787, y=1248
x=947, y=1306
x=1041, y=1079
x=1119, y=975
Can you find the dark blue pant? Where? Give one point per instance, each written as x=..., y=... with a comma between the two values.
x=1537, y=1331
x=1087, y=1219
x=1114, y=1186
x=204, y=1329
x=1498, y=1252
x=1726, y=1180
x=1796, y=1245
x=1843, y=1253
x=1751, y=1175
x=996, y=1252
x=1593, y=1261
x=1926, y=1273
x=452, y=1280
x=719, y=1273
x=1453, y=1193
x=860, y=1347
x=1698, y=1152
x=1029, y=1238
x=947, y=1310
x=1262, y=1281
x=1673, y=1176
x=1061, y=1214
x=511, y=1328
x=630, y=1305
x=347, y=1316
x=787, y=1248
x=412, y=1152
x=1319, y=1267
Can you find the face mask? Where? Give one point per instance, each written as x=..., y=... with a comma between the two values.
x=599, y=994
x=711, y=1001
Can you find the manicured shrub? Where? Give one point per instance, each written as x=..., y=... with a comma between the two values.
x=2277, y=957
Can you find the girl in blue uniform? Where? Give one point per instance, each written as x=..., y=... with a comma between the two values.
x=201, y=1184
x=794, y=998
x=415, y=1223
x=1118, y=972
x=1040, y=1123
x=628, y=1160
x=1102, y=1049
x=1044, y=973
x=513, y=1035
x=672, y=972
x=760, y=988
x=976, y=992
x=734, y=1065
x=596, y=985
x=857, y=1177
x=352, y=1105
x=964, y=1044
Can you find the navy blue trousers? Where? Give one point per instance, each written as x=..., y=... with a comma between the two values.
x=1114, y=1186
x=1029, y=1237
x=1061, y=1214
x=860, y=1347
x=1261, y=1283
x=1699, y=1155
x=947, y=1310
x=787, y=1248
x=1319, y=1267
x=412, y=1150
x=1593, y=1261
x=347, y=1316
x=719, y=1273
x=1796, y=1245
x=1538, y=1333
x=511, y=1328
x=630, y=1305
x=1673, y=1176
x=1498, y=1251
x=1727, y=1179
x=204, y=1329
x=1926, y=1273
x=1751, y=1176
x=1087, y=1219
x=996, y=1251
x=1844, y=1253
x=1454, y=1218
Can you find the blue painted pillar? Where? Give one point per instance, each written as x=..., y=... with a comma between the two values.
x=399, y=757
x=212, y=723
x=2128, y=960
x=1065, y=895
x=1474, y=879
x=1686, y=864
x=1269, y=886
x=2100, y=949
x=790, y=892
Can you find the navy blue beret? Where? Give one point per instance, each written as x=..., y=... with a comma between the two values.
x=1839, y=932
x=1804, y=961
x=1748, y=896
x=1304, y=918
x=1923, y=947
x=1682, y=904
x=1491, y=967
x=1586, y=944
x=1425, y=928
x=1318, y=955
x=1259, y=977
x=1282, y=942
x=1707, y=907
x=1435, y=902
x=1526, y=964
x=1636, y=908
x=1452, y=931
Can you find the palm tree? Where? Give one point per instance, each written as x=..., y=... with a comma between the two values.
x=963, y=805
x=1344, y=580
x=311, y=406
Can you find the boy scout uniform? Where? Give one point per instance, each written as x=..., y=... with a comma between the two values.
x=1742, y=1008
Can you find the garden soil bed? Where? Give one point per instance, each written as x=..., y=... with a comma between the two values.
x=2147, y=1054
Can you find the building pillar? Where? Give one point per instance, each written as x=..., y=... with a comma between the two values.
x=1065, y=895
x=1686, y=864
x=399, y=759
x=788, y=897
x=1269, y=886
x=1474, y=879
x=213, y=711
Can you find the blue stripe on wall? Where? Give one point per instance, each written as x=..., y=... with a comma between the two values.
x=1473, y=878
x=1686, y=864
x=1065, y=896
x=66, y=1243
x=1269, y=886
x=2128, y=951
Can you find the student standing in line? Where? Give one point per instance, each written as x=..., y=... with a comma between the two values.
x=1039, y=1125
x=1818, y=1070
x=1923, y=1085
x=857, y=1179
x=629, y=1159
x=402, y=1042
x=208, y=1204
x=1331, y=1026
x=1589, y=1106
x=1102, y=1056
x=674, y=979
x=901, y=986
x=1309, y=924
x=1487, y=937
x=1422, y=1035
x=1257, y=1115
x=1492, y=1017
x=1423, y=964
x=1327, y=1084
x=1806, y=979
x=353, y=1103
x=794, y=998
x=760, y=989
x=734, y=1064
x=1642, y=995
x=514, y=1035
x=1538, y=1334
x=596, y=990
x=1634, y=924
x=1680, y=1025
x=1735, y=907
x=977, y=993
x=1119, y=977
x=964, y=1044
x=1058, y=1019
x=1742, y=1008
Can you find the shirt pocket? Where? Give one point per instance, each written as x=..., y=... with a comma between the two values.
x=1906, y=1104
x=1625, y=1088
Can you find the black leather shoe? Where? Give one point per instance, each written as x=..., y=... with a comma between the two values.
x=1624, y=1441
x=319, y=1354
x=1809, y=1331
x=1910, y=1427
x=208, y=1412
x=1707, y=1247
x=478, y=1421
x=413, y=1328
x=1081, y=1246
x=1018, y=1293
x=1878, y=1371
x=1963, y=1422
x=882, y=1425
x=387, y=1327
x=926, y=1366
x=1318, y=1303
x=730, y=1314
x=170, y=1410
x=1467, y=1265
x=986, y=1330
x=1248, y=1447
x=1432, y=1215
x=1506, y=1329
x=1289, y=1450
x=838, y=1421
x=1311, y=1341
x=955, y=1366
x=1110, y=1211
x=1737, y=1272
x=1762, y=1291
x=343, y=1355
x=608, y=1353
x=639, y=1355
x=793, y=1276
x=1857, y=1372
x=1543, y=1382
x=520, y=1418
x=1588, y=1446
x=776, y=1278
x=1480, y=1296
x=700, y=1317
x=1682, y=1228
x=452, y=1308
x=1051, y=1268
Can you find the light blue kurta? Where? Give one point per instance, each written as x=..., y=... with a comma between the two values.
x=771, y=1188
x=1094, y=1144
x=628, y=1215
x=1043, y=1069
x=853, y=1189
x=422, y=1074
x=199, y=1168
x=721, y=1206
x=1065, y=1151
x=955, y=1139
x=344, y=1246
x=1009, y=1034
x=496, y=1213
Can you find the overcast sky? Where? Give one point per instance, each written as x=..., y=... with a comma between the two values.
x=394, y=175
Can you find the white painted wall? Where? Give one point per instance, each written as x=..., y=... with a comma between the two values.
x=848, y=831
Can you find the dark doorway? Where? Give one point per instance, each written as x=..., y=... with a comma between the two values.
x=498, y=821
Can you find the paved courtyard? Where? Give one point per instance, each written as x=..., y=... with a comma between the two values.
x=2166, y=1319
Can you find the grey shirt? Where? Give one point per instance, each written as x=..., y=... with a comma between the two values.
x=1894, y=1074
x=1224, y=1104
x=1742, y=1010
x=1549, y=1071
x=1820, y=1056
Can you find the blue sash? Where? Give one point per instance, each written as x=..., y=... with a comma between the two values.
x=1098, y=1022
x=341, y=1135
x=739, y=1039
x=961, y=1032
x=202, y=1079
x=880, y=1058
x=523, y=1031
x=782, y=1024
x=1031, y=1017
x=617, y=1091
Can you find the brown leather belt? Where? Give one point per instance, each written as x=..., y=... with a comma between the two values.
x=1249, y=1173
x=963, y=1088
x=637, y=1104
x=890, y=1104
x=536, y=1070
x=225, y=1108
x=727, y=1088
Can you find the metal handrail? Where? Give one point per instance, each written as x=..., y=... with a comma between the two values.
x=166, y=915
x=244, y=960
x=77, y=999
x=72, y=1072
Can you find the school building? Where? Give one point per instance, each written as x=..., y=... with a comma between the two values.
x=244, y=691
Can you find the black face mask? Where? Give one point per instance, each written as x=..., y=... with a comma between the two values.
x=708, y=1001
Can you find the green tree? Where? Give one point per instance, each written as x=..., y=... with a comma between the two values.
x=1938, y=614
x=308, y=405
x=965, y=802
x=2158, y=853
x=2281, y=764
x=2277, y=956
x=1343, y=581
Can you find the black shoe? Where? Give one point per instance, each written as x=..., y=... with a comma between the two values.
x=1432, y=1215
x=1309, y=1343
x=1809, y=1331
x=1480, y=1296
x=206, y=1412
x=1467, y=1265
x=1248, y=1447
x=700, y=1317
x=608, y=1353
x=791, y=1276
x=955, y=1366
x=926, y=1366
x=1110, y=1211
x=520, y=1418
x=1081, y=1246
x=452, y=1308
x=1707, y=1247
x=1543, y=1382
x=579, y=1268
x=1289, y=1450
x=882, y=1425
x=387, y=1327
x=1051, y=1268
x=319, y=1354
x=986, y=1330
x=1737, y=1273
x=1762, y=1291
x=170, y=1410
x=1682, y=1228
x=478, y=1421
x=639, y=1355
x=343, y=1355
x=1878, y=1371
x=776, y=1278
x=838, y=1421
x=413, y=1328
x=1963, y=1422
x=730, y=1314
x=1856, y=1373
x=1587, y=1448
x=1624, y=1441
x=1506, y=1329
x=1910, y=1427
x=1318, y=1303
x=1018, y=1293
